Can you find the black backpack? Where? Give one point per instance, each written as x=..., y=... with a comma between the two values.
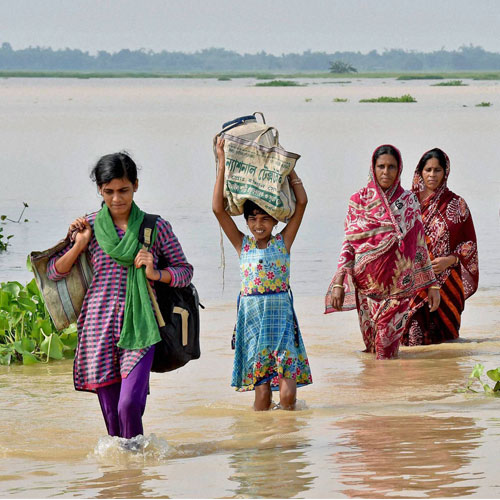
x=180, y=335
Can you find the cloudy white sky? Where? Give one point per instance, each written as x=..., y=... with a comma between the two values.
x=276, y=26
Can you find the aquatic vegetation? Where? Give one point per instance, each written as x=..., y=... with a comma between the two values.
x=475, y=378
x=403, y=98
x=4, y=240
x=339, y=99
x=484, y=105
x=450, y=83
x=224, y=79
x=27, y=334
x=420, y=77
x=308, y=99
x=279, y=83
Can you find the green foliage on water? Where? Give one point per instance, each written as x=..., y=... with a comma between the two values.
x=475, y=379
x=340, y=99
x=403, y=98
x=398, y=75
x=27, y=333
x=484, y=105
x=420, y=77
x=450, y=83
x=279, y=83
x=4, y=239
x=224, y=79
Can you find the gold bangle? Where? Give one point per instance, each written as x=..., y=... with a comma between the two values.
x=433, y=287
x=338, y=286
x=296, y=181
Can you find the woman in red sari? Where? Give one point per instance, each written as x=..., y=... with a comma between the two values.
x=384, y=260
x=451, y=240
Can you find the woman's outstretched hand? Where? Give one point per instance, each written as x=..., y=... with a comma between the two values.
x=80, y=232
x=434, y=298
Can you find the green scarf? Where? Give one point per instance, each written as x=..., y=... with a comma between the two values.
x=139, y=328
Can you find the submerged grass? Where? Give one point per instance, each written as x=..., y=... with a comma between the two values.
x=484, y=105
x=403, y=98
x=399, y=75
x=451, y=83
x=279, y=83
x=339, y=99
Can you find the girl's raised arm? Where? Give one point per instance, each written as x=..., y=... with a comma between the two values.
x=234, y=235
x=290, y=230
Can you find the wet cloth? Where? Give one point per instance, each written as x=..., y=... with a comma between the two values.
x=123, y=403
x=449, y=230
x=382, y=323
x=268, y=343
x=384, y=255
x=98, y=359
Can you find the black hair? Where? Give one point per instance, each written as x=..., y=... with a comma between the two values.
x=114, y=166
x=387, y=149
x=251, y=208
x=433, y=153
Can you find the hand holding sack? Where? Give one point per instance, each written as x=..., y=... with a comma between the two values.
x=256, y=168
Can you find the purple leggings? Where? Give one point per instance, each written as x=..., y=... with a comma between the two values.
x=123, y=403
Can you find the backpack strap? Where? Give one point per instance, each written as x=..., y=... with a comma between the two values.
x=145, y=234
x=146, y=229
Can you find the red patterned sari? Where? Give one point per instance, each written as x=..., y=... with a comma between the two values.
x=449, y=230
x=384, y=261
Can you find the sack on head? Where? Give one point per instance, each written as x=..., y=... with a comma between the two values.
x=256, y=168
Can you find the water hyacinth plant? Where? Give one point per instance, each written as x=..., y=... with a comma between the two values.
x=451, y=83
x=475, y=378
x=403, y=98
x=27, y=334
x=4, y=239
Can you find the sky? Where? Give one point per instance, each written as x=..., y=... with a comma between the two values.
x=274, y=26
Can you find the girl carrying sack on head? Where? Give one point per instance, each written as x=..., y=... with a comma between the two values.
x=269, y=351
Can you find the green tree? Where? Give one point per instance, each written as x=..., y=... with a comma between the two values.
x=342, y=67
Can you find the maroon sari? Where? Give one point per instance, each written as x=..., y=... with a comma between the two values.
x=449, y=230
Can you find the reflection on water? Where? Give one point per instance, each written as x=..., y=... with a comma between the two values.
x=407, y=456
x=271, y=462
x=120, y=483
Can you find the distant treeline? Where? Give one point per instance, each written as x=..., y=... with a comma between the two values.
x=466, y=58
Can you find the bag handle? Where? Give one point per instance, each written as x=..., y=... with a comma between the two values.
x=148, y=231
x=267, y=129
x=261, y=114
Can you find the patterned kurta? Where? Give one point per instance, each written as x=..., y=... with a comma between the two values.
x=268, y=341
x=98, y=359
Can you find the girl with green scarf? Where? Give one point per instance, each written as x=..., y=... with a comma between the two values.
x=117, y=329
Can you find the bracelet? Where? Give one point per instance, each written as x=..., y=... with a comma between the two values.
x=159, y=279
x=338, y=286
x=434, y=287
x=296, y=181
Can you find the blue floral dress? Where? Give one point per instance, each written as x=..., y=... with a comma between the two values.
x=268, y=343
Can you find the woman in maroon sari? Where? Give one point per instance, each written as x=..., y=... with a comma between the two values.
x=384, y=260
x=451, y=240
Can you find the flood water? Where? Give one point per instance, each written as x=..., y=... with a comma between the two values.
x=364, y=428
